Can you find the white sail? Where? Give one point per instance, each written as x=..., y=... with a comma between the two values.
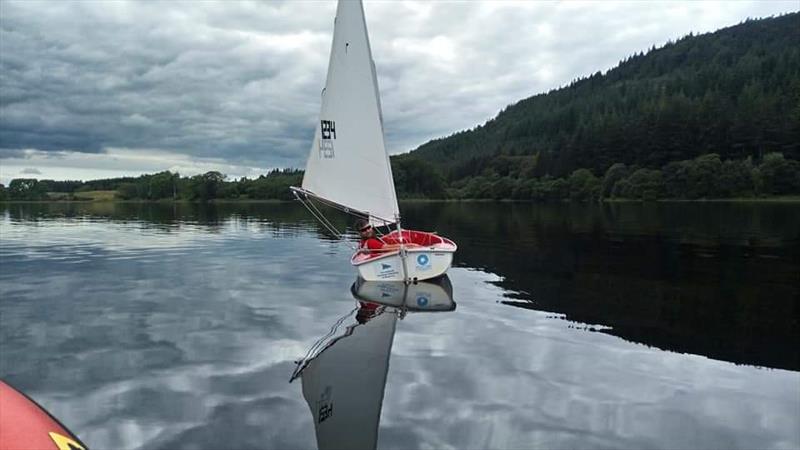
x=348, y=163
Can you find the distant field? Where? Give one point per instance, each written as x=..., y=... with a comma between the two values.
x=58, y=196
x=96, y=196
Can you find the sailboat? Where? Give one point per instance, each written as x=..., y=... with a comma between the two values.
x=348, y=167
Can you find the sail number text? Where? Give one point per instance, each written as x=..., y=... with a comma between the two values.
x=327, y=136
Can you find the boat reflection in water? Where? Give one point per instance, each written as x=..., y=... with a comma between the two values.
x=344, y=373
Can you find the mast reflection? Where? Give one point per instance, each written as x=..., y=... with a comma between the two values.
x=344, y=373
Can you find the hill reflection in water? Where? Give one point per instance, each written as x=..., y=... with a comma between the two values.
x=715, y=279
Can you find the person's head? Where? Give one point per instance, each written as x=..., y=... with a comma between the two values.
x=365, y=229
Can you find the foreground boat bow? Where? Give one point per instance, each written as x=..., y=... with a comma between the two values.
x=25, y=425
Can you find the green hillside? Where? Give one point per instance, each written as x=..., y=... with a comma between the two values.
x=734, y=93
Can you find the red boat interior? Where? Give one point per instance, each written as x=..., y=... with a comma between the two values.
x=421, y=238
x=410, y=239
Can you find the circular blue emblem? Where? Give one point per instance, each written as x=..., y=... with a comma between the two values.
x=422, y=260
x=422, y=300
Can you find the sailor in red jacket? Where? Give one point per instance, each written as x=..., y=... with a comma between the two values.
x=369, y=240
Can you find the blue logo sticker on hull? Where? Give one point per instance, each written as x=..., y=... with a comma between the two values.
x=423, y=262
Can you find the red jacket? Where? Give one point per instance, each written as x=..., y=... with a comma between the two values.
x=372, y=244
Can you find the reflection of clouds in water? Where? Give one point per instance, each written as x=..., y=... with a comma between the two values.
x=214, y=338
x=81, y=238
x=546, y=385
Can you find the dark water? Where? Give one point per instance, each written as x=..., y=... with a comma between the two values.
x=624, y=326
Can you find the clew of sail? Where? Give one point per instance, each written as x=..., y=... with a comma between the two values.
x=348, y=163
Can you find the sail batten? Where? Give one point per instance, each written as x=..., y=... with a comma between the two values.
x=348, y=163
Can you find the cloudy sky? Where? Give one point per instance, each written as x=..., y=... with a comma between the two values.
x=106, y=88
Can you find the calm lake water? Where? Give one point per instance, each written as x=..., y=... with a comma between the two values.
x=561, y=326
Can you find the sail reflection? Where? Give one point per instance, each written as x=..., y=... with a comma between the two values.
x=344, y=373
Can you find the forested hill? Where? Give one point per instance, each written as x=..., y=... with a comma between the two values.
x=734, y=92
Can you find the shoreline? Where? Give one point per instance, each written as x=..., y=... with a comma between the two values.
x=778, y=199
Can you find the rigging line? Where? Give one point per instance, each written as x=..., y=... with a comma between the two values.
x=321, y=220
x=303, y=362
x=330, y=333
x=317, y=214
x=330, y=226
x=310, y=210
x=327, y=222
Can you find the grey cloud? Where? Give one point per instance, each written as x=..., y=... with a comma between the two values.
x=11, y=153
x=241, y=80
x=142, y=75
x=31, y=171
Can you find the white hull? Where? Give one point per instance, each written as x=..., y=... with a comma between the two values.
x=420, y=264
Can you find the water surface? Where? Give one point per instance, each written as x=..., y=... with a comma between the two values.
x=577, y=326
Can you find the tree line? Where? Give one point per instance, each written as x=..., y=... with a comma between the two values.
x=705, y=177
x=161, y=186
x=503, y=177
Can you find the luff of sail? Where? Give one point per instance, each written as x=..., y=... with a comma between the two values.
x=348, y=163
